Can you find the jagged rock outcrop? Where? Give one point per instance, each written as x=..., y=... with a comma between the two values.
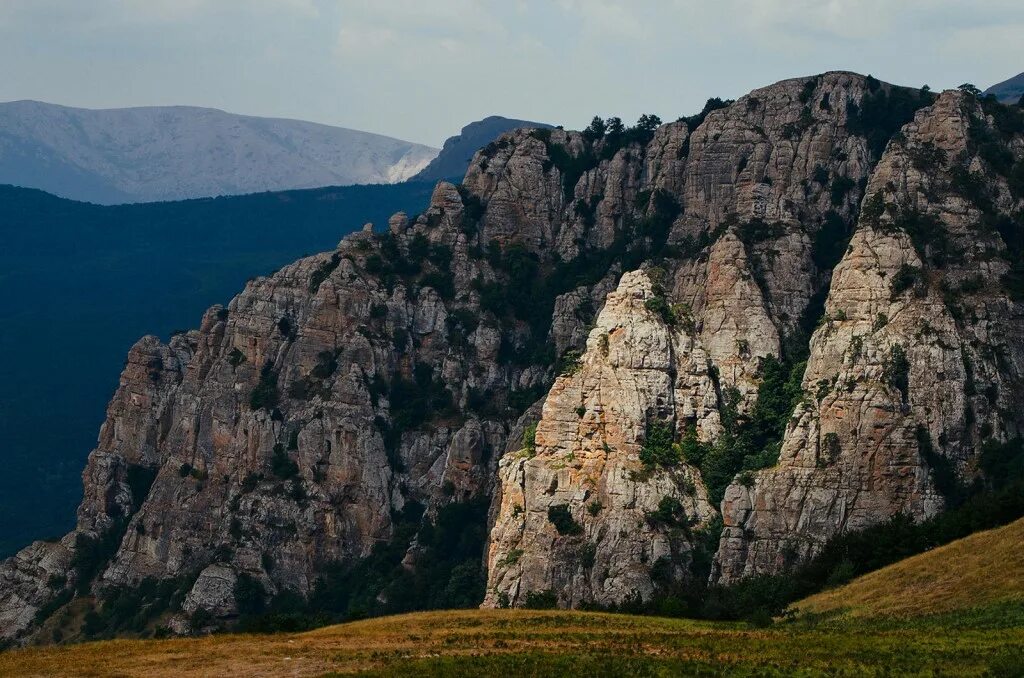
x=458, y=151
x=617, y=288
x=755, y=184
x=576, y=508
x=299, y=424
x=29, y=581
x=917, y=326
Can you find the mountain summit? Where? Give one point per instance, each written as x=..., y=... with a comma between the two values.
x=1008, y=91
x=176, y=152
x=458, y=151
x=611, y=367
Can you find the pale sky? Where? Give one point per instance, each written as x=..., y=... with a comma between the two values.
x=419, y=70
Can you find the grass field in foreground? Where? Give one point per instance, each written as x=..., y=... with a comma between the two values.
x=957, y=610
x=495, y=642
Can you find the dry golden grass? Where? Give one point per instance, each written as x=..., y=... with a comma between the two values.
x=973, y=589
x=983, y=569
x=521, y=643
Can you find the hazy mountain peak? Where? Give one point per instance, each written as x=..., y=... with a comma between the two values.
x=457, y=152
x=173, y=152
x=1008, y=91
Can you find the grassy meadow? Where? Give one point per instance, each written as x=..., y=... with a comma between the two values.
x=536, y=643
x=957, y=610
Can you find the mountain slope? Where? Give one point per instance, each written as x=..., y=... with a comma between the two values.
x=175, y=152
x=145, y=268
x=1008, y=91
x=458, y=151
x=986, y=568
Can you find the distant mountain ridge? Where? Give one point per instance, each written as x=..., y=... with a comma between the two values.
x=177, y=152
x=1008, y=91
x=457, y=152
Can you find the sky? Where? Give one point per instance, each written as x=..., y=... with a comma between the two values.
x=420, y=69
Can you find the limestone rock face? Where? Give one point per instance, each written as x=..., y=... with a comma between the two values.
x=585, y=464
x=290, y=429
x=214, y=591
x=28, y=581
x=758, y=157
x=601, y=287
x=893, y=378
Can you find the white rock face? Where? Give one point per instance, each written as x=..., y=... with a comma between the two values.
x=176, y=152
x=636, y=369
x=856, y=450
x=682, y=339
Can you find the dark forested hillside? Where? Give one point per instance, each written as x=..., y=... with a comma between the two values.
x=458, y=150
x=80, y=283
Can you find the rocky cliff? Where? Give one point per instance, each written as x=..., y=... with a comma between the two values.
x=762, y=183
x=602, y=334
x=457, y=152
x=919, y=357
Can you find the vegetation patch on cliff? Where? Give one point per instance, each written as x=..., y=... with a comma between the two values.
x=749, y=443
x=447, y=573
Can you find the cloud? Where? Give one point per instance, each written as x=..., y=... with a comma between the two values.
x=109, y=13
x=420, y=69
x=608, y=20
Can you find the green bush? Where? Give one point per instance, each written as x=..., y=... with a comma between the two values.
x=659, y=448
x=660, y=307
x=447, y=573
x=265, y=396
x=904, y=279
x=830, y=241
x=841, y=186
x=670, y=513
x=995, y=500
x=133, y=609
x=748, y=443
x=281, y=465
x=250, y=595
x=927, y=157
x=808, y=90
x=695, y=121
x=563, y=521
x=327, y=364
x=943, y=473
x=928, y=235
x=92, y=553
x=972, y=186
x=286, y=328
x=896, y=372
x=570, y=167
x=530, y=439
x=236, y=357
x=472, y=210
x=831, y=447
x=595, y=130
x=419, y=248
x=540, y=600
x=1016, y=180
x=323, y=271
x=442, y=282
